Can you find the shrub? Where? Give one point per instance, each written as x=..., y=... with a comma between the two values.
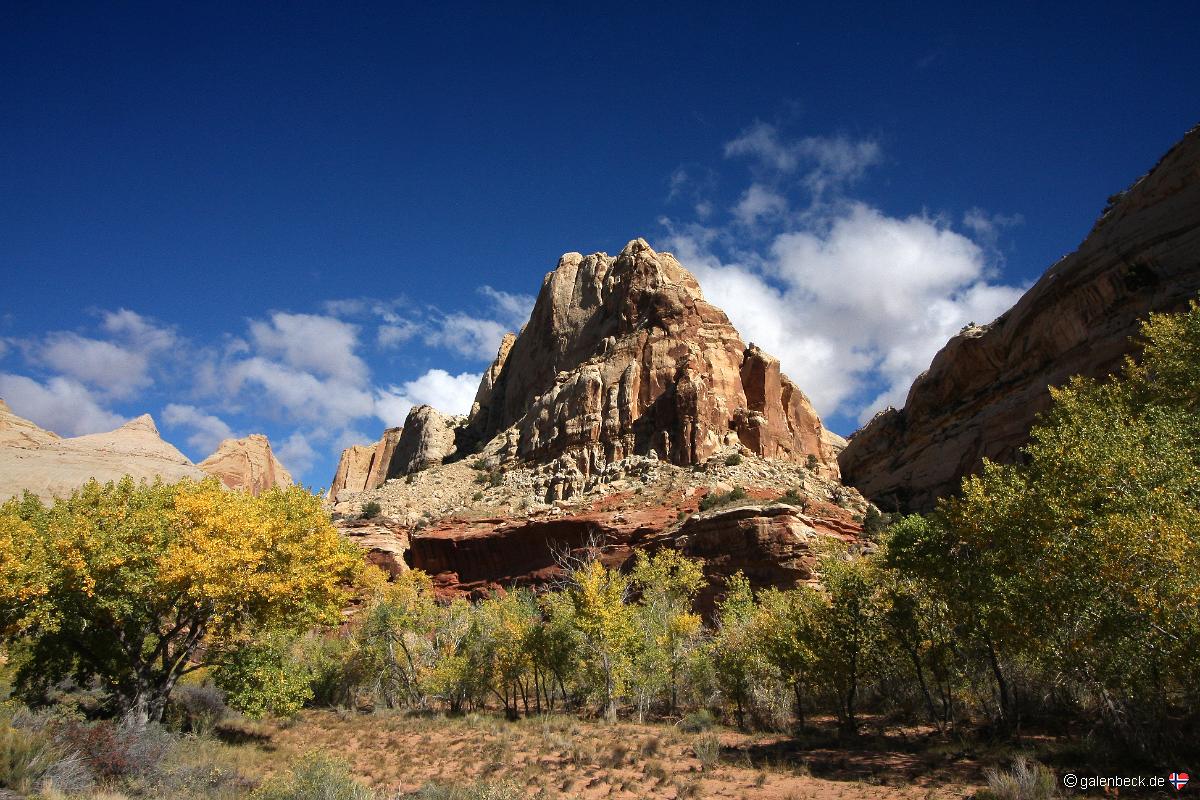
x=370, y=510
x=481, y=790
x=263, y=678
x=793, y=497
x=714, y=499
x=707, y=749
x=32, y=761
x=1027, y=780
x=198, y=709
x=697, y=721
x=811, y=461
x=315, y=777
x=733, y=460
x=115, y=750
x=495, y=478
x=477, y=497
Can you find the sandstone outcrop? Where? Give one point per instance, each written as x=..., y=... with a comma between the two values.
x=19, y=432
x=363, y=467
x=37, y=460
x=772, y=545
x=623, y=356
x=247, y=464
x=981, y=394
x=428, y=439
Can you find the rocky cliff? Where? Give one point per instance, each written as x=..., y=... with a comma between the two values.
x=37, y=460
x=247, y=464
x=364, y=467
x=981, y=394
x=622, y=356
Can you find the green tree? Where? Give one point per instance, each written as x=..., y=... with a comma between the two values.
x=607, y=630
x=668, y=628
x=140, y=584
x=735, y=650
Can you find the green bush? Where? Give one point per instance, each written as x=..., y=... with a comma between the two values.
x=370, y=510
x=811, y=461
x=262, y=678
x=315, y=777
x=708, y=751
x=714, y=499
x=697, y=721
x=733, y=460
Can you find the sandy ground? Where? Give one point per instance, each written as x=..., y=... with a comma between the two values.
x=562, y=757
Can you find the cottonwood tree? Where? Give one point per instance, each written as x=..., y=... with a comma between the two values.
x=137, y=585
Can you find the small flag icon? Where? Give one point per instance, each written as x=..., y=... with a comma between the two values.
x=1178, y=780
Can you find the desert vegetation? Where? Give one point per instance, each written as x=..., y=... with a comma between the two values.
x=1055, y=601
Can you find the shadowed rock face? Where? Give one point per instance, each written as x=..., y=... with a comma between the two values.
x=247, y=464
x=980, y=396
x=622, y=356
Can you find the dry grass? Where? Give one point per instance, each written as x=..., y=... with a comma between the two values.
x=556, y=757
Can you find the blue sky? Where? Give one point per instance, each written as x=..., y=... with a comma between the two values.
x=300, y=219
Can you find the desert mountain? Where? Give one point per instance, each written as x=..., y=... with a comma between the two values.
x=50, y=466
x=627, y=413
x=35, y=459
x=981, y=394
x=622, y=356
x=247, y=464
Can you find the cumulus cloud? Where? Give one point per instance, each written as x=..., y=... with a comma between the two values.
x=208, y=430
x=759, y=202
x=450, y=394
x=313, y=343
x=296, y=454
x=510, y=309
x=60, y=404
x=853, y=301
x=118, y=366
x=395, y=334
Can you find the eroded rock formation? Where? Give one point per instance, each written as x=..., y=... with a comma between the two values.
x=622, y=356
x=34, y=459
x=247, y=464
x=364, y=467
x=428, y=438
x=981, y=394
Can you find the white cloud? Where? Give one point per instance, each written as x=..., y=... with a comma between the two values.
x=298, y=394
x=853, y=301
x=831, y=161
x=473, y=337
x=312, y=343
x=208, y=430
x=449, y=394
x=511, y=309
x=61, y=405
x=759, y=202
x=296, y=454
x=118, y=366
x=394, y=335
x=113, y=369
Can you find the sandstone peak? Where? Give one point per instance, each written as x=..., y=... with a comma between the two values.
x=39, y=461
x=247, y=464
x=145, y=422
x=622, y=356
